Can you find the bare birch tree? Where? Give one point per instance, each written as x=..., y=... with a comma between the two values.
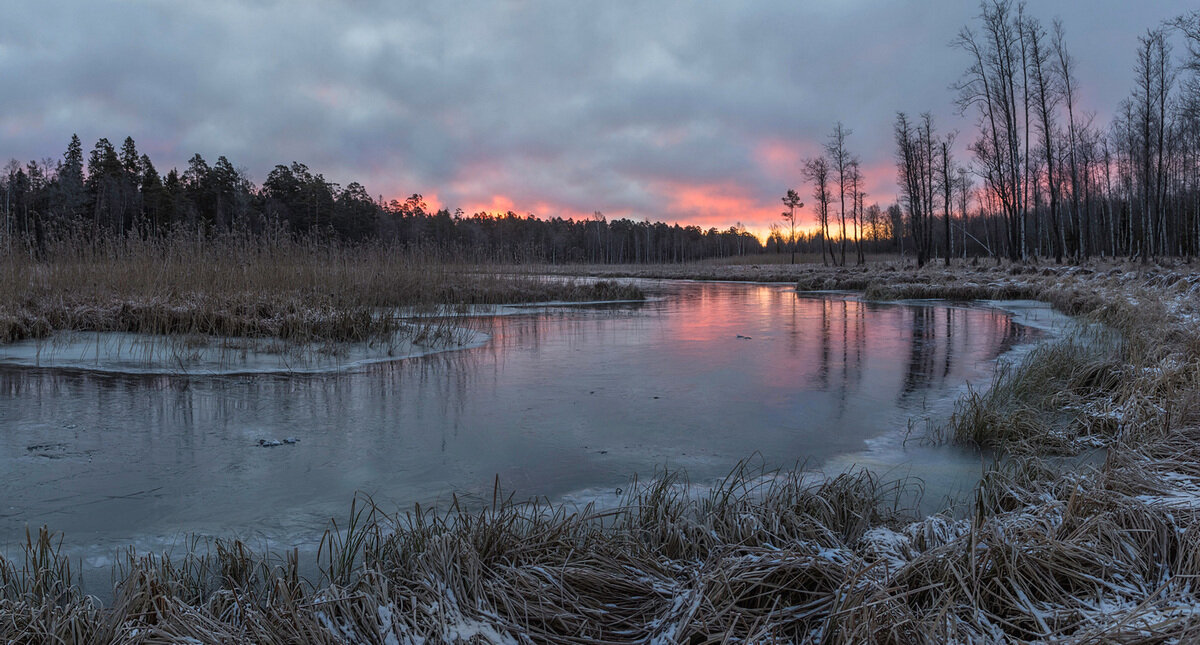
x=816, y=170
x=840, y=159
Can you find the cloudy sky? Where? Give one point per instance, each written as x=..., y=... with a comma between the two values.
x=691, y=112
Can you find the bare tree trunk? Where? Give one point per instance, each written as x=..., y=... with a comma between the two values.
x=947, y=187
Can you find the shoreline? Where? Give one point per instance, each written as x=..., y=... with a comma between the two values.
x=937, y=409
x=1095, y=554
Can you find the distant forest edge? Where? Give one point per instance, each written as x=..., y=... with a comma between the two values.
x=1044, y=181
x=121, y=193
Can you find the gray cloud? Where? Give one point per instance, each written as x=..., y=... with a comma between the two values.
x=571, y=106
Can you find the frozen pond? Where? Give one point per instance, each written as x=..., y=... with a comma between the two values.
x=561, y=402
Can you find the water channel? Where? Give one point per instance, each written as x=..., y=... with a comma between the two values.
x=563, y=402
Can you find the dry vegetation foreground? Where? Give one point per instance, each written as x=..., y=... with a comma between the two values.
x=1109, y=554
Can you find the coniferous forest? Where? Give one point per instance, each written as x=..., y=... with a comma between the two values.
x=120, y=192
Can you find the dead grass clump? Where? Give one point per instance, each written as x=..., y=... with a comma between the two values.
x=1038, y=406
x=948, y=291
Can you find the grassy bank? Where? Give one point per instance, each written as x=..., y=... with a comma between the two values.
x=1102, y=557
x=1105, y=555
x=1129, y=374
x=238, y=286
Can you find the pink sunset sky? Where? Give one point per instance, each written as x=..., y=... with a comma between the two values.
x=686, y=113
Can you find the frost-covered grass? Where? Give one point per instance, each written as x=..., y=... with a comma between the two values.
x=243, y=286
x=1057, y=399
x=1104, y=556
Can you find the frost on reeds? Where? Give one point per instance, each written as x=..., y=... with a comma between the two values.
x=260, y=287
x=1057, y=399
x=763, y=557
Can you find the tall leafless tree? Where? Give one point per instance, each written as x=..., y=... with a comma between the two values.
x=989, y=86
x=856, y=207
x=816, y=170
x=1047, y=95
x=840, y=159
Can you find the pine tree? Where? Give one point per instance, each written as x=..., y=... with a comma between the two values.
x=70, y=197
x=130, y=160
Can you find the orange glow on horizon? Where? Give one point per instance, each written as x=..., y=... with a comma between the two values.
x=478, y=187
x=497, y=204
x=722, y=205
x=703, y=206
x=707, y=205
x=433, y=202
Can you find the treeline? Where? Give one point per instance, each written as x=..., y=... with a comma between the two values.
x=878, y=226
x=1056, y=182
x=1045, y=178
x=120, y=192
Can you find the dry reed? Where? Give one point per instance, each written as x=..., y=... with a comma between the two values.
x=239, y=285
x=1109, y=555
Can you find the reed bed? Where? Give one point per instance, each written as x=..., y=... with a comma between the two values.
x=1105, y=556
x=246, y=286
